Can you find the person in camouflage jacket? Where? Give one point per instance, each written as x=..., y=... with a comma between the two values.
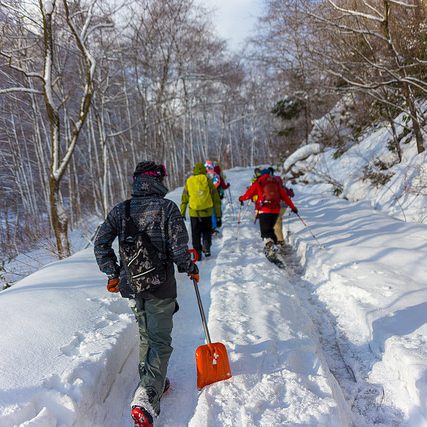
x=161, y=220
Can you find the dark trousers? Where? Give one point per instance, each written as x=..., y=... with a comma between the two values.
x=266, y=225
x=201, y=233
x=154, y=317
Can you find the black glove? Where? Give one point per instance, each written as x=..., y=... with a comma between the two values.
x=295, y=211
x=218, y=222
x=241, y=201
x=193, y=273
x=193, y=269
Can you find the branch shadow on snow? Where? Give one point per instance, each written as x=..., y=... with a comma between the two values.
x=402, y=322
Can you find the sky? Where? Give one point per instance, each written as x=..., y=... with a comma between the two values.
x=234, y=19
x=320, y=343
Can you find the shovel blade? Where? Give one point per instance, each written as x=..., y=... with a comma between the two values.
x=212, y=364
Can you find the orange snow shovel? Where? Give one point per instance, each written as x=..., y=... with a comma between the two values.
x=211, y=359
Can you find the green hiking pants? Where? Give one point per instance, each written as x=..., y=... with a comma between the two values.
x=154, y=317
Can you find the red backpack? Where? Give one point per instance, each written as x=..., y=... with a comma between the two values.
x=270, y=191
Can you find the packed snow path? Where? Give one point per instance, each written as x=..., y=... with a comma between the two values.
x=344, y=344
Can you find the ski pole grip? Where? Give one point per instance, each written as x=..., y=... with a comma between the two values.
x=194, y=255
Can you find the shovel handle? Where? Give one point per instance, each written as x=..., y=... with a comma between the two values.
x=195, y=258
x=202, y=312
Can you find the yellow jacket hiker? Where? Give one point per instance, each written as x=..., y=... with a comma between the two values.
x=203, y=200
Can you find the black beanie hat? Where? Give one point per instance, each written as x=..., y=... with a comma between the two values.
x=150, y=168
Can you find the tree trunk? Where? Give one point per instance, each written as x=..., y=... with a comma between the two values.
x=59, y=219
x=410, y=101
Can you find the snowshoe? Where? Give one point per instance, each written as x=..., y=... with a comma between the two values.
x=141, y=417
x=271, y=253
x=275, y=260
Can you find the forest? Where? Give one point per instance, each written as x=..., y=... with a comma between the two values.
x=90, y=87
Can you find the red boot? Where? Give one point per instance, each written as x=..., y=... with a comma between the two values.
x=141, y=417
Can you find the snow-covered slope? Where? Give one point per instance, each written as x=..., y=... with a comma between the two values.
x=341, y=341
x=369, y=171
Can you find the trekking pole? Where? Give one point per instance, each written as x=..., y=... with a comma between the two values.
x=256, y=217
x=238, y=222
x=245, y=210
x=309, y=229
x=288, y=227
x=230, y=200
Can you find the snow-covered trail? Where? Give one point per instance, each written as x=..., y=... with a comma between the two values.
x=340, y=341
x=279, y=377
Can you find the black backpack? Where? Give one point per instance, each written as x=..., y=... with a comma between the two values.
x=144, y=269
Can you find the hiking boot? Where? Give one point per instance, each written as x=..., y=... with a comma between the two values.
x=141, y=417
x=269, y=248
x=207, y=253
x=141, y=409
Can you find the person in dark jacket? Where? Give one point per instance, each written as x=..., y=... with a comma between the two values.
x=161, y=220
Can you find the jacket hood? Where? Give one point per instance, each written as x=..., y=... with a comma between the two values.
x=145, y=185
x=199, y=168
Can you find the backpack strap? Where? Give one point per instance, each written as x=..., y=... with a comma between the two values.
x=131, y=230
x=128, y=222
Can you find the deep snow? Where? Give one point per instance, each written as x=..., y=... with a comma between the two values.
x=337, y=339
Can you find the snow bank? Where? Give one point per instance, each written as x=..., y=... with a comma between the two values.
x=64, y=344
x=301, y=154
x=369, y=275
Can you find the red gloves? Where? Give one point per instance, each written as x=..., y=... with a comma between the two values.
x=113, y=285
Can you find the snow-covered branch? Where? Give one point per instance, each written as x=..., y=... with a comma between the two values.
x=20, y=89
x=21, y=70
x=351, y=12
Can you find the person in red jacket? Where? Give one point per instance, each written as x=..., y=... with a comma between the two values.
x=278, y=227
x=269, y=195
x=222, y=185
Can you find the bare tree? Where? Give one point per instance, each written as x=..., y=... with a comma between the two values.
x=373, y=45
x=37, y=55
